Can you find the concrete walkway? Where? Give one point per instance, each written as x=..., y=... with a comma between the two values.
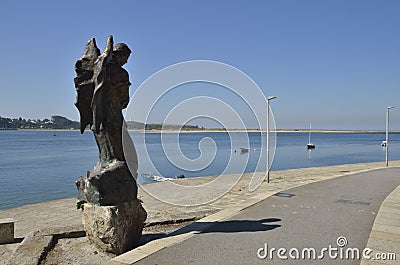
x=63, y=212
x=317, y=216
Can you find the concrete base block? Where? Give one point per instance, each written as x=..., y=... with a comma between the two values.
x=6, y=231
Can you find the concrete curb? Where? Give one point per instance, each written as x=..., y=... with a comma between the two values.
x=384, y=239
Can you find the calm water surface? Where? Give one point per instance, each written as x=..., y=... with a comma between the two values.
x=37, y=166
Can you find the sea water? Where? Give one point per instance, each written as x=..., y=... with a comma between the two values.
x=37, y=166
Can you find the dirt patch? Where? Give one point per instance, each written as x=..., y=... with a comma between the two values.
x=6, y=251
x=78, y=251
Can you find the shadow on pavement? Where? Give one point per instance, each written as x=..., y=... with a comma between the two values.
x=232, y=226
x=237, y=226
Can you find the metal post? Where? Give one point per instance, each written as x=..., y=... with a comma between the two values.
x=268, y=140
x=387, y=135
x=268, y=99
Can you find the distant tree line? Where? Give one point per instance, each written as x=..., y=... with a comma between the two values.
x=56, y=122
x=60, y=122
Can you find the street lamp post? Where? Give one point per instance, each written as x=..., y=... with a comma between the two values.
x=268, y=100
x=387, y=134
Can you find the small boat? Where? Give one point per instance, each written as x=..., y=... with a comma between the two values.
x=244, y=150
x=383, y=143
x=310, y=145
x=156, y=178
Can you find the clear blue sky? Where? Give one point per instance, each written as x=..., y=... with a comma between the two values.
x=334, y=63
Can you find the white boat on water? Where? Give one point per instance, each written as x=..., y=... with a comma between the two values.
x=383, y=143
x=156, y=178
x=310, y=145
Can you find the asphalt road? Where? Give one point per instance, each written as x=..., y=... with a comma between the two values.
x=313, y=218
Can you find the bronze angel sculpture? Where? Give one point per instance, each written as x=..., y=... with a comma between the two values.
x=103, y=91
x=102, y=87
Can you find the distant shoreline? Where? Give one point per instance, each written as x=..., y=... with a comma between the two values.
x=228, y=130
x=272, y=131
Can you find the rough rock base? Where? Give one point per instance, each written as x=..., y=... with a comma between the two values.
x=107, y=184
x=114, y=229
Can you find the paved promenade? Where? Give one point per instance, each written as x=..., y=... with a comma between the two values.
x=63, y=212
x=338, y=212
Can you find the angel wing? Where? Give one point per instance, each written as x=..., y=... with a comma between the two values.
x=100, y=79
x=84, y=83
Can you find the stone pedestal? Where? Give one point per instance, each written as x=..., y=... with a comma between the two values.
x=114, y=229
x=113, y=217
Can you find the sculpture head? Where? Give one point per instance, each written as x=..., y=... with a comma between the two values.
x=122, y=52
